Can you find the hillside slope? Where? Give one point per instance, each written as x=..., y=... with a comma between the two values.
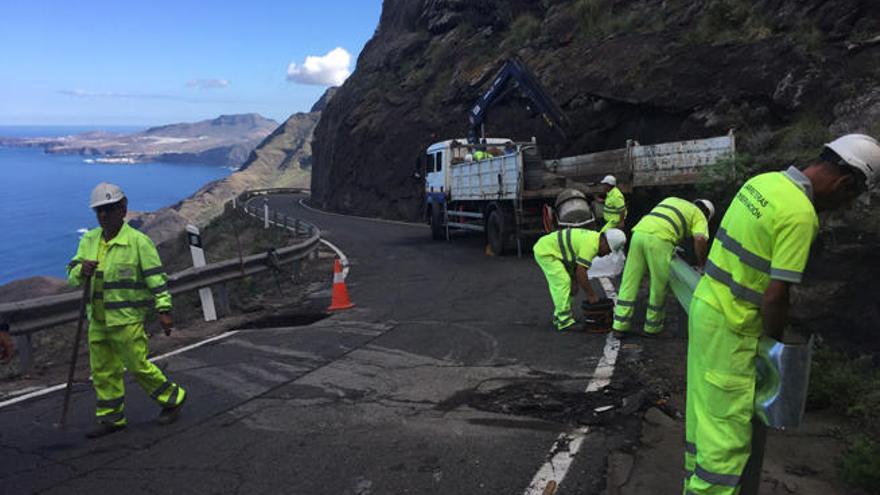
x=283, y=159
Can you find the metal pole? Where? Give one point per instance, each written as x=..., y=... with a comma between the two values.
x=87, y=283
x=751, y=478
x=265, y=215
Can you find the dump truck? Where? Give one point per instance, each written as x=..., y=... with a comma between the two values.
x=510, y=194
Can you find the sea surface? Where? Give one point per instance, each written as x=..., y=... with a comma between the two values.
x=44, y=197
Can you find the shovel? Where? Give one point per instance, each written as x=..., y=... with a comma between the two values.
x=79, y=327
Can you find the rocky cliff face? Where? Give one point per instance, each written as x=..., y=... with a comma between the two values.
x=785, y=73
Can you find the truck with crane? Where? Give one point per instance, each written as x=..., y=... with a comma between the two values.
x=505, y=188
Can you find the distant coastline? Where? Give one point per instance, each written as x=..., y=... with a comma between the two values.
x=226, y=141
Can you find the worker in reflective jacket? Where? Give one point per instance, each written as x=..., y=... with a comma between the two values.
x=614, y=210
x=760, y=249
x=127, y=280
x=653, y=240
x=567, y=254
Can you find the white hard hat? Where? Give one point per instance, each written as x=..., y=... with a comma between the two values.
x=610, y=180
x=616, y=239
x=708, y=205
x=860, y=152
x=105, y=194
x=468, y=157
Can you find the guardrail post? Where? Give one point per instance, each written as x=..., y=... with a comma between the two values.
x=223, y=297
x=24, y=351
x=234, y=198
x=265, y=214
x=296, y=226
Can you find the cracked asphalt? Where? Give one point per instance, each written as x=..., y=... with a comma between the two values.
x=380, y=399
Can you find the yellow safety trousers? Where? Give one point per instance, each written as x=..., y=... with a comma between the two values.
x=114, y=349
x=559, y=283
x=654, y=254
x=720, y=402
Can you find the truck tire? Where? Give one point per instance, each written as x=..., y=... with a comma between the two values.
x=438, y=233
x=496, y=232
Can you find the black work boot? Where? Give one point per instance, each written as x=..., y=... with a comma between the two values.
x=104, y=429
x=170, y=414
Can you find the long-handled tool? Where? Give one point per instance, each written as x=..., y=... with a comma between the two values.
x=79, y=327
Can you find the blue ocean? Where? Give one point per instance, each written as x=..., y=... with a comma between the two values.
x=44, y=197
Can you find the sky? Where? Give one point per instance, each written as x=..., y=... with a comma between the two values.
x=97, y=62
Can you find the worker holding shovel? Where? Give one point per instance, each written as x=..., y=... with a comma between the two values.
x=126, y=280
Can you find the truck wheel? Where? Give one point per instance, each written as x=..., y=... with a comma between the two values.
x=496, y=234
x=438, y=233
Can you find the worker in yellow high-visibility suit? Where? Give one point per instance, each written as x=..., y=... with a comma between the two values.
x=760, y=249
x=127, y=280
x=652, y=243
x=567, y=254
x=614, y=205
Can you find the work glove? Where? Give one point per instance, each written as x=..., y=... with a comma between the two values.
x=167, y=323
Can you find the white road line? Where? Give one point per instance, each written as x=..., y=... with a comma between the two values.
x=554, y=470
x=39, y=393
x=369, y=219
x=605, y=366
x=193, y=346
x=61, y=386
x=568, y=444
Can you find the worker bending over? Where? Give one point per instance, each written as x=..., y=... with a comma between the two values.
x=761, y=248
x=653, y=241
x=127, y=279
x=614, y=211
x=568, y=253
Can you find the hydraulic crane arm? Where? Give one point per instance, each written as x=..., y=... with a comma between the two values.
x=515, y=72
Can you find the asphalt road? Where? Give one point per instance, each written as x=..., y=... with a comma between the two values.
x=446, y=377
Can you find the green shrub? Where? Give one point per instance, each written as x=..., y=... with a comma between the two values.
x=723, y=21
x=597, y=19
x=524, y=29
x=850, y=386
x=860, y=465
x=724, y=177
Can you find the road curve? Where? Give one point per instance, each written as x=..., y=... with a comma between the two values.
x=443, y=379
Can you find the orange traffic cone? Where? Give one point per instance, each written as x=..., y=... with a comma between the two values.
x=340, y=293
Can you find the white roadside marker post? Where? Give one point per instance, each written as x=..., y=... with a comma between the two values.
x=198, y=256
x=265, y=214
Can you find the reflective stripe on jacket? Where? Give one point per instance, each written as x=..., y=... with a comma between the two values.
x=615, y=205
x=129, y=279
x=765, y=235
x=673, y=219
x=571, y=246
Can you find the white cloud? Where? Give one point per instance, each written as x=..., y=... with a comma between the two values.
x=208, y=83
x=330, y=70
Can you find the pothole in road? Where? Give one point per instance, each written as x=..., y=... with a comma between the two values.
x=283, y=320
x=554, y=402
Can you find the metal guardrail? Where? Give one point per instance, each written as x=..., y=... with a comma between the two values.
x=683, y=280
x=32, y=315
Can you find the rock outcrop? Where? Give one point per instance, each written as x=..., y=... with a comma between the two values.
x=784, y=73
x=283, y=159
